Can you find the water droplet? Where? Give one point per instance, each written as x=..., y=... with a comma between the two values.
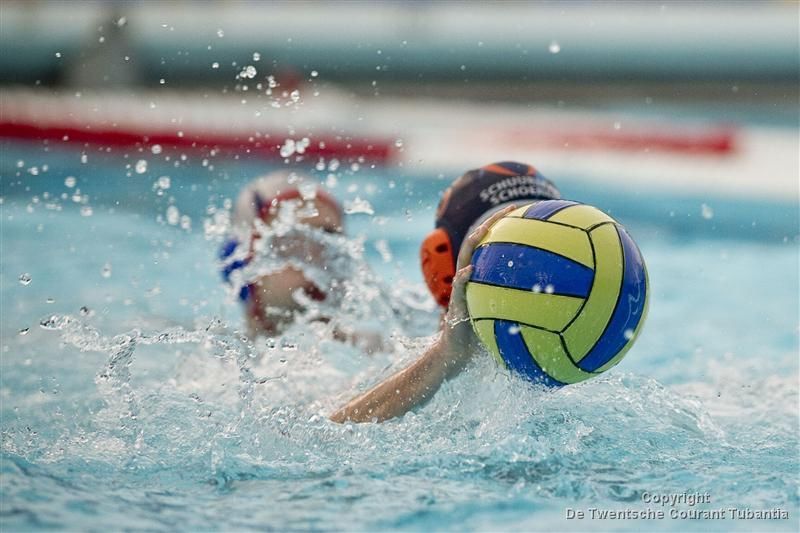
x=358, y=206
x=302, y=144
x=513, y=329
x=141, y=166
x=25, y=279
x=84, y=158
x=537, y=288
x=510, y=264
x=398, y=143
x=288, y=148
x=106, y=270
x=256, y=56
x=628, y=334
x=84, y=311
x=383, y=249
x=549, y=289
x=288, y=345
x=121, y=21
x=58, y=54
x=314, y=73
x=706, y=211
x=617, y=125
x=554, y=47
x=87, y=211
x=162, y=81
x=214, y=65
x=248, y=72
x=70, y=181
x=156, y=149
x=50, y=300
x=173, y=215
x=220, y=33
x=163, y=182
x=295, y=96
x=24, y=331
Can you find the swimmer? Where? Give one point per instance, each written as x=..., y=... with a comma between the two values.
x=467, y=210
x=282, y=224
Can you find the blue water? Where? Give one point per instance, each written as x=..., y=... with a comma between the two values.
x=130, y=400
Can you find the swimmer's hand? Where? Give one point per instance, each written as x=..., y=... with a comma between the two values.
x=444, y=359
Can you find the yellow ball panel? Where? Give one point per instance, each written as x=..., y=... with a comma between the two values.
x=588, y=327
x=581, y=216
x=519, y=212
x=549, y=353
x=548, y=311
x=484, y=329
x=569, y=242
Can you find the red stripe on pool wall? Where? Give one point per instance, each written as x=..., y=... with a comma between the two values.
x=265, y=145
x=713, y=141
x=716, y=141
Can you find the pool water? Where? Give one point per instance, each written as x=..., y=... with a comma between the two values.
x=130, y=398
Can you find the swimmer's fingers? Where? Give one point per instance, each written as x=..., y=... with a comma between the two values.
x=474, y=238
x=457, y=334
x=458, y=301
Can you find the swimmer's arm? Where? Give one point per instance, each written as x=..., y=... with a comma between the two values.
x=445, y=359
x=407, y=389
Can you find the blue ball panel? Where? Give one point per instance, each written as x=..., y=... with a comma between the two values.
x=517, y=356
x=628, y=311
x=544, y=210
x=531, y=266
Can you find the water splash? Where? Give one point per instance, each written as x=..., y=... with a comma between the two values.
x=121, y=348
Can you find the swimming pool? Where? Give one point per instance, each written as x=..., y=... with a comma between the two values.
x=129, y=400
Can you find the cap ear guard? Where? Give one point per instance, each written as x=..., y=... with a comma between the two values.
x=436, y=255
